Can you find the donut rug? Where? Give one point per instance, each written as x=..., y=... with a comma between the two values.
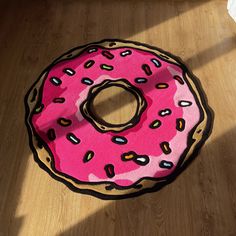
x=147, y=149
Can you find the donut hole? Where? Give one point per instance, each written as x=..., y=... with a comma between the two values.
x=114, y=105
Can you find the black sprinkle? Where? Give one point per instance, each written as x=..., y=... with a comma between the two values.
x=86, y=81
x=72, y=138
x=39, y=143
x=112, y=44
x=69, y=71
x=58, y=100
x=69, y=55
x=48, y=159
x=107, y=54
x=33, y=95
x=138, y=186
x=141, y=160
x=109, y=187
x=147, y=69
x=109, y=168
x=180, y=127
x=199, y=131
x=166, y=164
x=140, y=80
x=179, y=79
x=89, y=64
x=119, y=140
x=165, y=112
x=88, y=156
x=55, y=81
x=51, y=134
x=165, y=147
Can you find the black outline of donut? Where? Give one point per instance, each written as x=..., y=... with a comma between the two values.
x=109, y=83
x=180, y=167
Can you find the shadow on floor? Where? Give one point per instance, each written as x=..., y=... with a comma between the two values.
x=203, y=57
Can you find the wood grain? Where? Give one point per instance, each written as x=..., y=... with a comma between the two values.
x=202, y=201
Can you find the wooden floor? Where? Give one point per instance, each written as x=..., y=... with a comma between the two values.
x=202, y=201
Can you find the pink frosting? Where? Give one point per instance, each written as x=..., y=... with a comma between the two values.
x=142, y=140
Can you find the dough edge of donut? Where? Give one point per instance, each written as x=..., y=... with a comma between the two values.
x=98, y=189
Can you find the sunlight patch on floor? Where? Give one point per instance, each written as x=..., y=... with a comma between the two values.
x=44, y=198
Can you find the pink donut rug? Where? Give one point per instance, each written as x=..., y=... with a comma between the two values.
x=76, y=144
